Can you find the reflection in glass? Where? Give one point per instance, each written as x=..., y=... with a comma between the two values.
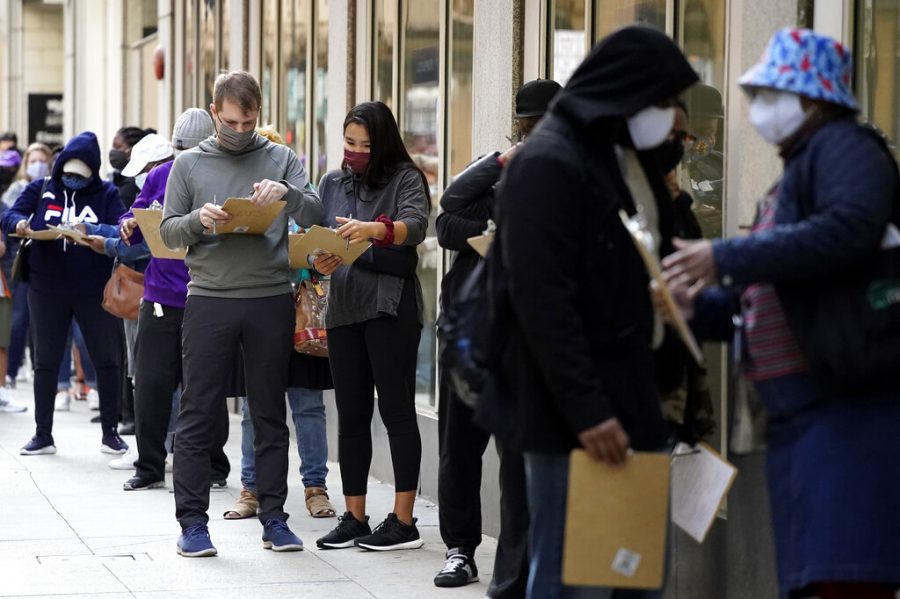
x=190, y=53
x=207, y=50
x=294, y=40
x=613, y=14
x=569, y=39
x=383, y=55
x=269, y=79
x=702, y=37
x=878, y=64
x=459, y=87
x=320, y=102
x=420, y=64
x=225, y=25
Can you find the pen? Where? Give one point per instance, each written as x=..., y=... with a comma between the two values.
x=350, y=217
x=215, y=203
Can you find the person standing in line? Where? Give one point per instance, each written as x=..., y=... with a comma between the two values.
x=35, y=165
x=831, y=454
x=119, y=154
x=239, y=296
x=67, y=281
x=308, y=376
x=578, y=345
x=374, y=320
x=158, y=345
x=468, y=204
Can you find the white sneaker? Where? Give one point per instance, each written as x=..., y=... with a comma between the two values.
x=93, y=399
x=62, y=401
x=126, y=462
x=7, y=404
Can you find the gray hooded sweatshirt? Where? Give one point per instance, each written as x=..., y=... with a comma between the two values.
x=235, y=266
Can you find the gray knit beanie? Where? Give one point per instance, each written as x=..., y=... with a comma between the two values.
x=193, y=126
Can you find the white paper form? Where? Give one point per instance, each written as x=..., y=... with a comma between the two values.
x=700, y=481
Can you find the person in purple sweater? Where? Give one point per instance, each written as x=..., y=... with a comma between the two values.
x=158, y=349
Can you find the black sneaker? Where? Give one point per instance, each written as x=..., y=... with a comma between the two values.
x=218, y=484
x=345, y=533
x=459, y=570
x=391, y=535
x=138, y=483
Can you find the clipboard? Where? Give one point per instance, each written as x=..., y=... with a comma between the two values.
x=638, y=234
x=41, y=235
x=73, y=234
x=481, y=243
x=149, y=220
x=616, y=522
x=701, y=479
x=247, y=218
x=320, y=240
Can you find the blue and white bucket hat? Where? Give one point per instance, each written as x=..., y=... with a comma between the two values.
x=804, y=62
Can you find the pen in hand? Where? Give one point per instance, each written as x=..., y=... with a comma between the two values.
x=215, y=203
x=350, y=216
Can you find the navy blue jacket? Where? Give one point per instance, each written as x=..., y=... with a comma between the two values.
x=59, y=266
x=842, y=175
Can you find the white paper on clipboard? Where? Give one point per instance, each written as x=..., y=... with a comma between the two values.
x=701, y=479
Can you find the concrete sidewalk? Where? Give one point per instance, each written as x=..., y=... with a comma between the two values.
x=68, y=529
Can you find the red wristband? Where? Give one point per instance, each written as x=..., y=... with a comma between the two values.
x=388, y=232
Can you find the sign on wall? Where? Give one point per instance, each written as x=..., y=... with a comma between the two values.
x=45, y=119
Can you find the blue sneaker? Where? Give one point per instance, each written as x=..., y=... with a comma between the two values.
x=39, y=446
x=195, y=542
x=278, y=537
x=113, y=444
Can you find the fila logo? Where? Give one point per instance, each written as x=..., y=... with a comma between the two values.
x=68, y=215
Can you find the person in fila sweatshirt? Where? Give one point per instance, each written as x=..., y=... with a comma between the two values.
x=66, y=281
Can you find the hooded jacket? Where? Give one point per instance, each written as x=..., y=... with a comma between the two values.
x=578, y=351
x=235, y=266
x=61, y=266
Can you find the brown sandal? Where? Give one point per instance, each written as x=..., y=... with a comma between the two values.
x=244, y=507
x=318, y=504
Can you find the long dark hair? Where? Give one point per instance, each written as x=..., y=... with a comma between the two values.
x=388, y=154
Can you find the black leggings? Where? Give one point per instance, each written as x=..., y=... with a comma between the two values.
x=378, y=354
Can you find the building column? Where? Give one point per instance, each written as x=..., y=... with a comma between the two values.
x=492, y=79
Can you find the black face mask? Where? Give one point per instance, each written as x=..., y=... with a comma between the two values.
x=118, y=159
x=669, y=154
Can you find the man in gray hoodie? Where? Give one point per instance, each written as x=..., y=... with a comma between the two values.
x=239, y=296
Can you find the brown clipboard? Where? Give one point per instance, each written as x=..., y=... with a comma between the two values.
x=247, y=218
x=481, y=243
x=320, y=240
x=149, y=220
x=616, y=522
x=41, y=235
x=74, y=235
x=655, y=271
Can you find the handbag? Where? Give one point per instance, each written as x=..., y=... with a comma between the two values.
x=20, y=270
x=123, y=292
x=310, y=336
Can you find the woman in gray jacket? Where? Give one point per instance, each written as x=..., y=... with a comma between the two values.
x=374, y=319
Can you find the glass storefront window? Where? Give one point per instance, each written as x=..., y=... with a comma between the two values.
x=294, y=42
x=383, y=52
x=420, y=97
x=190, y=54
x=569, y=38
x=208, y=67
x=319, y=166
x=459, y=87
x=878, y=65
x=610, y=15
x=702, y=37
x=225, y=28
x=269, y=83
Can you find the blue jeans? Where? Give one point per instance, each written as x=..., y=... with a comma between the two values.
x=548, y=481
x=308, y=413
x=65, y=367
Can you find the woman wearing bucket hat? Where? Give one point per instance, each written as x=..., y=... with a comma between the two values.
x=832, y=465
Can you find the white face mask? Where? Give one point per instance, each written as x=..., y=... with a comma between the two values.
x=651, y=126
x=37, y=170
x=139, y=180
x=776, y=115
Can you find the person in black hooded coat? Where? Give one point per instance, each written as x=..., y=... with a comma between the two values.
x=578, y=354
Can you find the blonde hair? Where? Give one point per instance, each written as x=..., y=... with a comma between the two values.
x=270, y=133
x=35, y=147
